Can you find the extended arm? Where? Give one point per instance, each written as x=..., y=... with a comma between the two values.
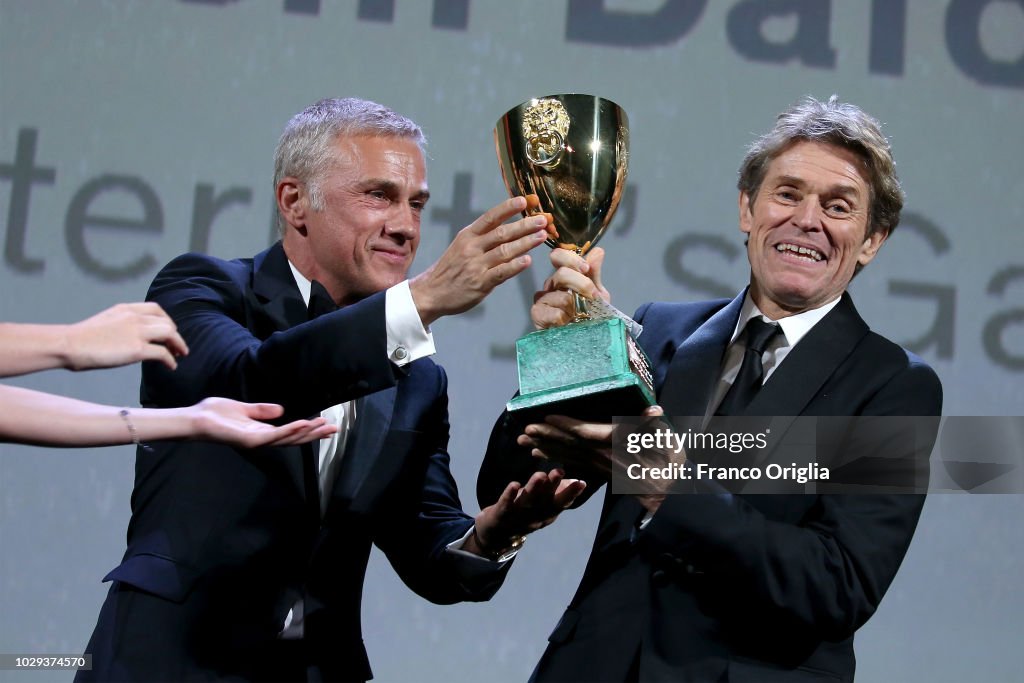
x=236, y=352
x=41, y=419
x=230, y=322
x=425, y=514
x=122, y=334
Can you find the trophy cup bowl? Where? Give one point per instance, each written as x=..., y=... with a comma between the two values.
x=572, y=152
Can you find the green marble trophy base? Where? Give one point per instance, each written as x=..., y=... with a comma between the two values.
x=590, y=370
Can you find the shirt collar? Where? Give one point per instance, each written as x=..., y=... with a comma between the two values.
x=794, y=327
x=305, y=286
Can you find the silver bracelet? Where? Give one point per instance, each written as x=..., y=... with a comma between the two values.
x=127, y=417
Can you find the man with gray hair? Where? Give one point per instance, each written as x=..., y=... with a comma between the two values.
x=730, y=586
x=248, y=565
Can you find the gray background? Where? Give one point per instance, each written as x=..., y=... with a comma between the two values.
x=153, y=113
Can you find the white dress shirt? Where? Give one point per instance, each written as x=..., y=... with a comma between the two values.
x=794, y=328
x=407, y=340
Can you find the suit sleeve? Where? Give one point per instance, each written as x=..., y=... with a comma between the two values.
x=334, y=358
x=426, y=516
x=826, y=572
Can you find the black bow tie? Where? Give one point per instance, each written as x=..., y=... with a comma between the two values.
x=320, y=302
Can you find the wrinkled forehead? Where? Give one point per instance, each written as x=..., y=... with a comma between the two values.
x=385, y=156
x=825, y=164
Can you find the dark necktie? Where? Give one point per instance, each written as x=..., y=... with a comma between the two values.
x=748, y=381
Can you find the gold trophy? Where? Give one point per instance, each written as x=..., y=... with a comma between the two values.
x=572, y=152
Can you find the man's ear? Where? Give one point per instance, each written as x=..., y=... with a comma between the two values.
x=745, y=218
x=292, y=202
x=872, y=243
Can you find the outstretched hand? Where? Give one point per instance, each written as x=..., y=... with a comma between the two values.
x=521, y=510
x=239, y=424
x=123, y=334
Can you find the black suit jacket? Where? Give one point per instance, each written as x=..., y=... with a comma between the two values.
x=223, y=541
x=726, y=587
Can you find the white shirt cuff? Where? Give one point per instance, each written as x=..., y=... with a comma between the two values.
x=408, y=340
x=455, y=548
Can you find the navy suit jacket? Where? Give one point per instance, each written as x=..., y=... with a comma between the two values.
x=223, y=541
x=725, y=587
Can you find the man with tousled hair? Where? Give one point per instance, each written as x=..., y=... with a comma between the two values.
x=727, y=586
x=248, y=565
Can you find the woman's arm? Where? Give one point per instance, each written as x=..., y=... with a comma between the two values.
x=122, y=334
x=41, y=419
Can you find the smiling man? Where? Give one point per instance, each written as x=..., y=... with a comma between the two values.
x=808, y=228
x=248, y=565
x=727, y=586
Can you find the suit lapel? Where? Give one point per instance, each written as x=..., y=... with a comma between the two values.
x=281, y=302
x=805, y=370
x=697, y=363
x=275, y=288
x=811, y=362
x=363, y=450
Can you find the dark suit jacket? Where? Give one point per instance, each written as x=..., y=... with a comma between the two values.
x=223, y=541
x=729, y=587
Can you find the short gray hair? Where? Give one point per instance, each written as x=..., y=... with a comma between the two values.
x=844, y=125
x=304, y=150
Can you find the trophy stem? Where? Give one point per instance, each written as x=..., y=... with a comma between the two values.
x=580, y=310
x=579, y=304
